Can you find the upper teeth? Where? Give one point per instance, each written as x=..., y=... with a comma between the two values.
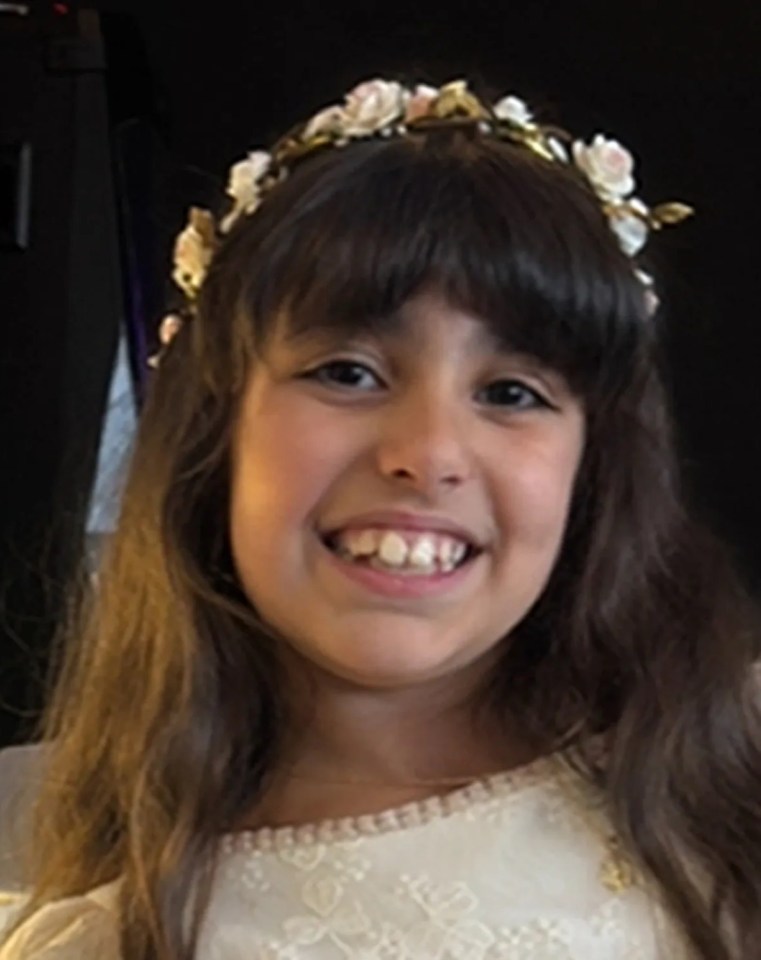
x=404, y=548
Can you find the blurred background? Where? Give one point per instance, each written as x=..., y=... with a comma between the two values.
x=116, y=116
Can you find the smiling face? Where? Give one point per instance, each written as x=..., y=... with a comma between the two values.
x=435, y=420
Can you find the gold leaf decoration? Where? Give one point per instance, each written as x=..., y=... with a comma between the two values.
x=671, y=212
x=537, y=143
x=203, y=223
x=455, y=98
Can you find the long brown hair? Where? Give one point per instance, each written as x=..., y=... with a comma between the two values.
x=163, y=726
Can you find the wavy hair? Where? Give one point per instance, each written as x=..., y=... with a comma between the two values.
x=164, y=723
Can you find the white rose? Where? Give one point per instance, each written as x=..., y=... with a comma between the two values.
x=420, y=102
x=192, y=256
x=243, y=186
x=170, y=327
x=607, y=164
x=558, y=148
x=652, y=300
x=513, y=109
x=371, y=106
x=329, y=120
x=632, y=231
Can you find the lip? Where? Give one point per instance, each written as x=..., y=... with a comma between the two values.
x=398, y=586
x=403, y=520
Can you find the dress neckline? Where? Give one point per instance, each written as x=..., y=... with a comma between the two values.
x=411, y=814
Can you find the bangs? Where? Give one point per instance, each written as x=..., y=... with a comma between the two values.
x=520, y=243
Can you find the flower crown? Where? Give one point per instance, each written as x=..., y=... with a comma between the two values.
x=383, y=109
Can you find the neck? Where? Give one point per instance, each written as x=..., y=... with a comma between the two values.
x=352, y=750
x=399, y=736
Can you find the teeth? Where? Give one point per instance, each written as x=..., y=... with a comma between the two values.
x=447, y=551
x=459, y=550
x=364, y=544
x=422, y=554
x=393, y=550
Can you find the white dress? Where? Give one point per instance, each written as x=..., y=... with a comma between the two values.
x=519, y=866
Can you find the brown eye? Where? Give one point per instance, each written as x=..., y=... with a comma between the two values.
x=514, y=395
x=342, y=373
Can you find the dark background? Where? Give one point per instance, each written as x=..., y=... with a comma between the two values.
x=129, y=128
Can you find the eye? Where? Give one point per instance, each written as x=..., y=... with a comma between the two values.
x=341, y=373
x=515, y=395
x=351, y=375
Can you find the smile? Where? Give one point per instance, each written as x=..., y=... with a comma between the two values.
x=370, y=574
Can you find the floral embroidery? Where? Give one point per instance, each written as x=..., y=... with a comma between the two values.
x=348, y=863
x=450, y=929
x=604, y=934
x=331, y=918
x=304, y=858
x=518, y=943
x=249, y=874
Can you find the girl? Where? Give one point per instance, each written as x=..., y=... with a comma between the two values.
x=405, y=646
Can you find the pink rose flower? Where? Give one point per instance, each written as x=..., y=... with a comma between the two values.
x=420, y=102
x=607, y=164
x=371, y=106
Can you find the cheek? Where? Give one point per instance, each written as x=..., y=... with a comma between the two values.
x=284, y=463
x=267, y=496
x=537, y=486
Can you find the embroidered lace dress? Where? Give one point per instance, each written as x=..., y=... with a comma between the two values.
x=519, y=866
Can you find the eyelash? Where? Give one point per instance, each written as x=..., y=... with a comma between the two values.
x=318, y=374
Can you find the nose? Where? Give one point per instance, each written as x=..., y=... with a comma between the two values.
x=424, y=442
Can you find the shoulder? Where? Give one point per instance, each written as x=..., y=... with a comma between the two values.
x=20, y=761
x=21, y=774
x=75, y=928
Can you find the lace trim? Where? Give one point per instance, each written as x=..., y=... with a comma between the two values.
x=411, y=814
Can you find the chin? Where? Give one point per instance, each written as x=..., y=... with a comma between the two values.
x=385, y=663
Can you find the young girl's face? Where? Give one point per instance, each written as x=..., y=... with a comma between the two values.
x=435, y=422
